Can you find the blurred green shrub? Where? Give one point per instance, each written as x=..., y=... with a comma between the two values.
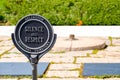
x=66, y=12
x=1, y=18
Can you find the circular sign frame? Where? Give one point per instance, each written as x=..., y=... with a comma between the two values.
x=34, y=40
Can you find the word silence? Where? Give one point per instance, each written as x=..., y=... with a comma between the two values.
x=34, y=34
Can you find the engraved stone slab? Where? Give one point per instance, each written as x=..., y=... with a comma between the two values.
x=93, y=69
x=21, y=68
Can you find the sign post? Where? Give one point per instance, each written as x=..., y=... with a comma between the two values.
x=34, y=37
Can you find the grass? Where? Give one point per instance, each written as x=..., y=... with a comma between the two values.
x=75, y=58
x=88, y=54
x=12, y=77
x=105, y=76
x=81, y=70
x=60, y=52
x=54, y=77
x=75, y=69
x=5, y=52
x=13, y=53
x=111, y=40
x=52, y=62
x=95, y=51
x=29, y=77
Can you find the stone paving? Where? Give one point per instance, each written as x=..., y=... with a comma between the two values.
x=64, y=65
x=64, y=79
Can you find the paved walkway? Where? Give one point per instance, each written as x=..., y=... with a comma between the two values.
x=64, y=65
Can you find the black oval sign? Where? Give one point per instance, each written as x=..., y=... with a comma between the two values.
x=34, y=34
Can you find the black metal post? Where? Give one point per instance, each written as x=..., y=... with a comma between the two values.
x=34, y=62
x=34, y=71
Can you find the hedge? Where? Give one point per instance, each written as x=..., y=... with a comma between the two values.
x=65, y=12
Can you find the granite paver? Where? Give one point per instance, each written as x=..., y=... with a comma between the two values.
x=14, y=59
x=14, y=50
x=58, y=59
x=65, y=64
x=6, y=48
x=78, y=53
x=4, y=38
x=109, y=53
x=98, y=60
x=8, y=79
x=113, y=49
x=116, y=42
x=68, y=79
x=112, y=79
x=65, y=79
x=10, y=55
x=63, y=74
x=62, y=67
x=6, y=43
x=1, y=51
